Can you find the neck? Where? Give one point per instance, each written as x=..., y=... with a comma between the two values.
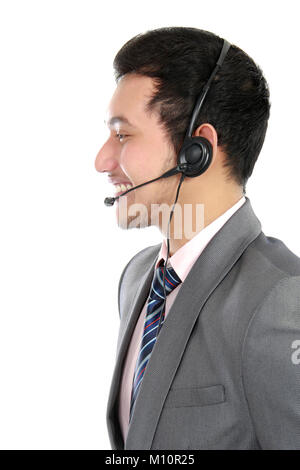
x=193, y=212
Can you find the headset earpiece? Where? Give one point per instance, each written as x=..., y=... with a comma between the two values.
x=195, y=156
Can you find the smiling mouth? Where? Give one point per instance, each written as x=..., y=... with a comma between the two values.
x=121, y=188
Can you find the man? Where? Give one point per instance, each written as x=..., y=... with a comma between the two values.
x=222, y=368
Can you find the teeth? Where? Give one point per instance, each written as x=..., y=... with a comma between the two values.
x=122, y=187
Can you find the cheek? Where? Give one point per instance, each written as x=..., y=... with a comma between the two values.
x=136, y=161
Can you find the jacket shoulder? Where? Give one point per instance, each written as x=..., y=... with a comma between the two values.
x=277, y=254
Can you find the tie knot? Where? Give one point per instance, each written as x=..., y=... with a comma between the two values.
x=172, y=280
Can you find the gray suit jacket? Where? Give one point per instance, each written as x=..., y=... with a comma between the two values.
x=225, y=372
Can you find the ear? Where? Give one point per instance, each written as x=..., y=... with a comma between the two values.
x=208, y=131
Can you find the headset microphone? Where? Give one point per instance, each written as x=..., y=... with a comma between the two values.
x=109, y=201
x=193, y=159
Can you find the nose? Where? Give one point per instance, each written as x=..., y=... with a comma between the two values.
x=106, y=159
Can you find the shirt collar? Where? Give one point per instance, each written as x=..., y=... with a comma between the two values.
x=183, y=259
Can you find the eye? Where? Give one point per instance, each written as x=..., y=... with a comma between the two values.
x=121, y=136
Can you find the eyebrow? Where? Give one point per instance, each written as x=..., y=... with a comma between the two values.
x=118, y=120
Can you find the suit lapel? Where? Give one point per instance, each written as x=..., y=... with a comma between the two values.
x=207, y=272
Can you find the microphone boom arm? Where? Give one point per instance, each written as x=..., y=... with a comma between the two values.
x=109, y=201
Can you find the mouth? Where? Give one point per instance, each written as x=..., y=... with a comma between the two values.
x=121, y=188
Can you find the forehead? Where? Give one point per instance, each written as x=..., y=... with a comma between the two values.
x=127, y=104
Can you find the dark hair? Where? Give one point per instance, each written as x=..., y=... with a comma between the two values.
x=180, y=60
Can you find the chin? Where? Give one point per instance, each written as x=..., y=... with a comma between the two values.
x=132, y=216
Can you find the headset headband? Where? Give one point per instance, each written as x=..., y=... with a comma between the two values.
x=226, y=46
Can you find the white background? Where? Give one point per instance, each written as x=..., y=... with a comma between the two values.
x=61, y=251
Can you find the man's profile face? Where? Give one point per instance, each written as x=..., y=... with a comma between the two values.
x=137, y=150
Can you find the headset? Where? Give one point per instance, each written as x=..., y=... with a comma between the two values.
x=193, y=159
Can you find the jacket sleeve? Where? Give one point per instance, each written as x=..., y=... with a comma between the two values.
x=271, y=367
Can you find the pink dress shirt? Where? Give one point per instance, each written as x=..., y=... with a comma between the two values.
x=182, y=261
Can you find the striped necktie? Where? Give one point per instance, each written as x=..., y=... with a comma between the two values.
x=154, y=310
